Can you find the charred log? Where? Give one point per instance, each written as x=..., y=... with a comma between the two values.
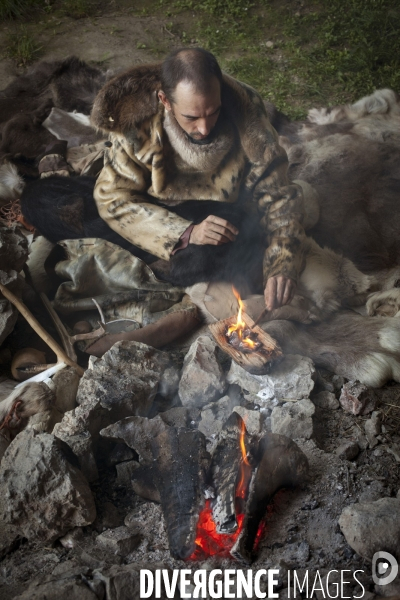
x=225, y=466
x=182, y=462
x=281, y=465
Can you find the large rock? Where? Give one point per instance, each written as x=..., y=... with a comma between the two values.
x=120, y=384
x=214, y=415
x=125, y=380
x=291, y=379
x=369, y=528
x=293, y=419
x=202, y=380
x=45, y=495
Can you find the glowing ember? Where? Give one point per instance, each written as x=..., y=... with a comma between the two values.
x=208, y=541
x=239, y=335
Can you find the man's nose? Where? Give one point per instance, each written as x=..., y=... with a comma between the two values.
x=203, y=127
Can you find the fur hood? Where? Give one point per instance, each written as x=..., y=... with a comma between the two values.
x=131, y=98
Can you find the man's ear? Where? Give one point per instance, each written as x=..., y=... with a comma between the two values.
x=163, y=98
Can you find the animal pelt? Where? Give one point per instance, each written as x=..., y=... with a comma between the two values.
x=63, y=208
x=351, y=156
x=22, y=403
x=347, y=344
x=69, y=84
x=11, y=183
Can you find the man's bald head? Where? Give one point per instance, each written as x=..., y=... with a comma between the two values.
x=191, y=65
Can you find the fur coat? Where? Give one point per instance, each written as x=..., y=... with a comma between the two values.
x=150, y=164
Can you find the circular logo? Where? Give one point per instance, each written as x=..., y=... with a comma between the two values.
x=384, y=568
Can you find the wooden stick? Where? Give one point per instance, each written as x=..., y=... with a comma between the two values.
x=256, y=322
x=37, y=327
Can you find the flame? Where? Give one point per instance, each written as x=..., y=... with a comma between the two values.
x=240, y=325
x=208, y=541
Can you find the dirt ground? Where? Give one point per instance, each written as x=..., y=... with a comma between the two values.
x=113, y=40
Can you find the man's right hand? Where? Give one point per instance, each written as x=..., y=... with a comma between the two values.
x=214, y=231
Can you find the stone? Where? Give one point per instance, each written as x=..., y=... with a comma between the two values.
x=394, y=450
x=293, y=419
x=326, y=401
x=373, y=428
x=371, y=527
x=374, y=491
x=81, y=445
x=203, y=379
x=180, y=416
x=45, y=494
x=349, y=450
x=71, y=585
x=214, y=415
x=66, y=384
x=138, y=433
x=120, y=453
x=122, y=582
x=124, y=472
x=72, y=538
x=251, y=418
x=9, y=539
x=357, y=399
x=292, y=379
x=124, y=381
x=121, y=540
x=169, y=382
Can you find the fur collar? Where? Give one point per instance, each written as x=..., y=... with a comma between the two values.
x=205, y=157
x=131, y=98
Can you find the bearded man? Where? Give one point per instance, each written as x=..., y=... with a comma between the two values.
x=182, y=131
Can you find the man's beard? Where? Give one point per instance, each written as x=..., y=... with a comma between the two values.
x=199, y=141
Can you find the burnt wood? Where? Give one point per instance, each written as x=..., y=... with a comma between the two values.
x=281, y=465
x=258, y=362
x=225, y=467
x=182, y=461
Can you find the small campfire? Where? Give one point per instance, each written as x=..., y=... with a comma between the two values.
x=245, y=342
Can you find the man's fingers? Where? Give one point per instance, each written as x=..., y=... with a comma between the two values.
x=270, y=293
x=280, y=291
x=219, y=230
x=289, y=292
x=222, y=223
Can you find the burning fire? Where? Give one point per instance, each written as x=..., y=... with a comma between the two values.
x=208, y=541
x=240, y=328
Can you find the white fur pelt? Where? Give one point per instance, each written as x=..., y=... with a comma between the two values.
x=11, y=183
x=24, y=402
x=381, y=102
x=39, y=251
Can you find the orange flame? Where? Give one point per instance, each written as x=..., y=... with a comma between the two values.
x=240, y=325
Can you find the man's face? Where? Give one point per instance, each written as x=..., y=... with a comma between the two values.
x=195, y=113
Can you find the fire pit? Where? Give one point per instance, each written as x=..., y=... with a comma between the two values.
x=246, y=343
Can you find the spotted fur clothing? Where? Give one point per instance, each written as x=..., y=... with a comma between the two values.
x=150, y=161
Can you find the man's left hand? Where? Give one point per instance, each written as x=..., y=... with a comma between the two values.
x=278, y=291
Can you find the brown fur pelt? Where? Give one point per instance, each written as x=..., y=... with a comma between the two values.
x=351, y=156
x=68, y=84
x=347, y=344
